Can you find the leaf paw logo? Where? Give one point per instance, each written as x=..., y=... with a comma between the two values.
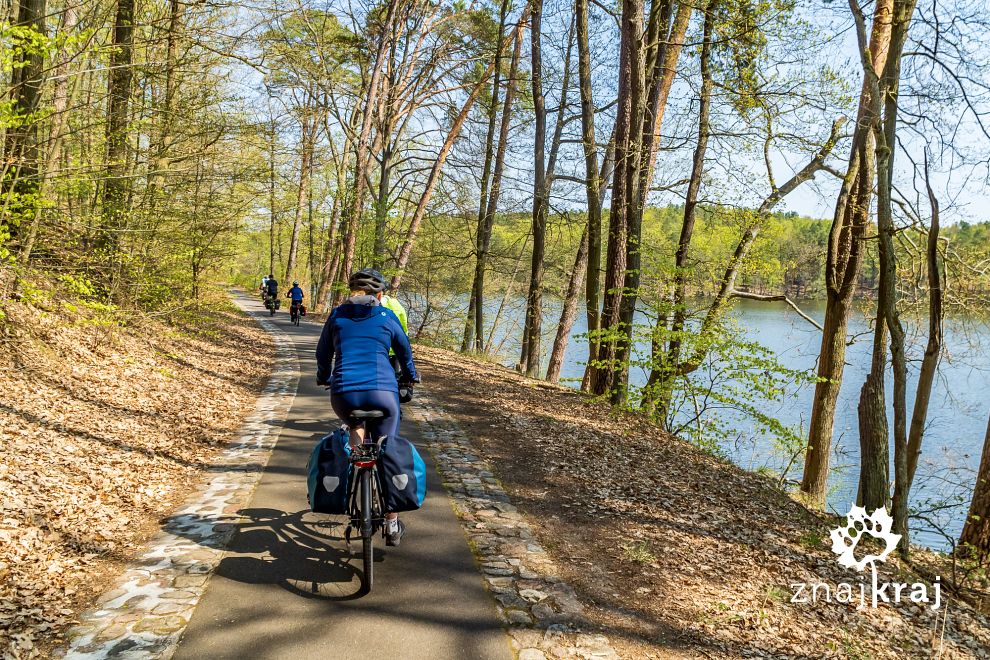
x=859, y=523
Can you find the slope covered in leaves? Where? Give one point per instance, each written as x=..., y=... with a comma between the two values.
x=104, y=427
x=678, y=554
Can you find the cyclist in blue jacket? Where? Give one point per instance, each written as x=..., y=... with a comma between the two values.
x=353, y=358
x=295, y=293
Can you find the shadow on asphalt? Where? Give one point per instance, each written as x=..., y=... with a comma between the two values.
x=302, y=552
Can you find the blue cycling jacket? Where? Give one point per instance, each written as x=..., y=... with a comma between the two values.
x=352, y=355
x=296, y=294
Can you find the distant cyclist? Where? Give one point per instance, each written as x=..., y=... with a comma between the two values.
x=353, y=358
x=297, y=295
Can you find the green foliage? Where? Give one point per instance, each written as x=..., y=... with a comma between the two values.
x=310, y=48
x=77, y=284
x=640, y=552
x=737, y=377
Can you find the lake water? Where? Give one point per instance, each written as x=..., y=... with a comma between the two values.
x=957, y=419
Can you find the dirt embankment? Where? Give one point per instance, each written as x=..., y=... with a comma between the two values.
x=103, y=429
x=679, y=554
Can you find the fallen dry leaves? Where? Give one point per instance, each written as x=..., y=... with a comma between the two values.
x=103, y=429
x=678, y=554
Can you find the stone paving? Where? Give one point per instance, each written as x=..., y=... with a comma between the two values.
x=144, y=615
x=541, y=612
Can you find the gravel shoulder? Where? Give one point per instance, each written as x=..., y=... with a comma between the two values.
x=673, y=552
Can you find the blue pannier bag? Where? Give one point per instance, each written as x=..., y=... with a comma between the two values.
x=403, y=476
x=329, y=468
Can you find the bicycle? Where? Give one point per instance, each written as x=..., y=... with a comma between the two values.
x=365, y=497
x=294, y=313
x=271, y=303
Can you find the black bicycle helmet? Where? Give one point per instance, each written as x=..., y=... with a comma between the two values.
x=368, y=280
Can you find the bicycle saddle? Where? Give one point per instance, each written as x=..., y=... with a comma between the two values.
x=366, y=414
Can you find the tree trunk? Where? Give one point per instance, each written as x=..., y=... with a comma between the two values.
x=116, y=186
x=380, y=251
x=976, y=532
x=529, y=362
x=431, y=181
x=886, y=131
x=874, y=471
x=60, y=118
x=592, y=183
x=478, y=286
x=19, y=187
x=468, y=341
x=933, y=349
x=307, y=133
x=679, y=318
x=599, y=378
x=634, y=200
x=363, y=148
x=387, y=114
x=841, y=272
x=669, y=52
x=332, y=252
x=273, y=215
x=569, y=312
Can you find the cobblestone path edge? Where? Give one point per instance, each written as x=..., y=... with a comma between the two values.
x=541, y=612
x=146, y=612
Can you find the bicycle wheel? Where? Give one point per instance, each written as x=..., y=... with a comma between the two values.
x=367, y=533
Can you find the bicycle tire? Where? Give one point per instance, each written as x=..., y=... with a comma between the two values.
x=367, y=534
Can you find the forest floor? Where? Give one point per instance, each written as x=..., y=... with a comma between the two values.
x=104, y=428
x=674, y=552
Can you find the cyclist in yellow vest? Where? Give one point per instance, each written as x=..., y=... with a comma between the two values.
x=392, y=303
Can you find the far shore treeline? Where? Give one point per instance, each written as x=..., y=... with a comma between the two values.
x=788, y=256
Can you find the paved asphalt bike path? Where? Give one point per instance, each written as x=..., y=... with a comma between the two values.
x=286, y=588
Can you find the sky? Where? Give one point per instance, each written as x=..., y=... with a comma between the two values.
x=963, y=192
